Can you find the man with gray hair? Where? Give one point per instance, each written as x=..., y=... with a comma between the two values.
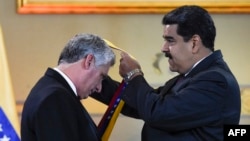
x=53, y=111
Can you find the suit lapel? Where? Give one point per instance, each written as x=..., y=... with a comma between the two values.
x=52, y=73
x=91, y=123
x=169, y=85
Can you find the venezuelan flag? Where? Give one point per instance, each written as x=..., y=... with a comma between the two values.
x=9, y=123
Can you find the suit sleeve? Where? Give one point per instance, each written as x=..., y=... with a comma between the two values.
x=197, y=102
x=109, y=87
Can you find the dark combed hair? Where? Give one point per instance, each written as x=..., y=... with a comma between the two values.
x=193, y=20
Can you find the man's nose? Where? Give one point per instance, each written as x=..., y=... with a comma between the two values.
x=165, y=47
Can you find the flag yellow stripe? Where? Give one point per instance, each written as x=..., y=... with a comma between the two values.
x=7, y=100
x=111, y=124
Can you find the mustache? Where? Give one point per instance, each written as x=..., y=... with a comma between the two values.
x=167, y=54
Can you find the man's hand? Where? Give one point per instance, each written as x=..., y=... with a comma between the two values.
x=127, y=64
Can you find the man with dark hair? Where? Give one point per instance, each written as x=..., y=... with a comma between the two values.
x=197, y=103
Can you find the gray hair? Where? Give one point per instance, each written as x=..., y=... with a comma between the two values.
x=83, y=44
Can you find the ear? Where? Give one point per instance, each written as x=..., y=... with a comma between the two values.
x=196, y=43
x=88, y=61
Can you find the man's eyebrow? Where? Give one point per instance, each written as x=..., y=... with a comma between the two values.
x=167, y=37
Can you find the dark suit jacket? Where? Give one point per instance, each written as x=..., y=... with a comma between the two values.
x=193, y=110
x=52, y=112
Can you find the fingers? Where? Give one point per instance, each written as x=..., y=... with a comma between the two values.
x=127, y=64
x=124, y=54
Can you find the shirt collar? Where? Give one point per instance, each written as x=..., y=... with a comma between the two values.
x=71, y=84
x=196, y=65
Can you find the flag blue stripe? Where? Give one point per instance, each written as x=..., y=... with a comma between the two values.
x=7, y=131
